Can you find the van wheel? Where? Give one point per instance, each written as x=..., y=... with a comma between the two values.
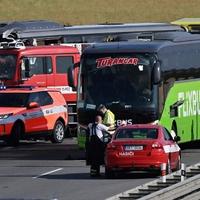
x=58, y=132
x=14, y=138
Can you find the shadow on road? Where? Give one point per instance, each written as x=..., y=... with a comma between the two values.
x=41, y=150
x=83, y=176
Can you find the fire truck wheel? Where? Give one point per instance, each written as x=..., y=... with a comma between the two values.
x=58, y=132
x=15, y=135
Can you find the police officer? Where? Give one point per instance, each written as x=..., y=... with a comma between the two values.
x=95, y=145
x=109, y=117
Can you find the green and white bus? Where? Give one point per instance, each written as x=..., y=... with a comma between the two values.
x=150, y=80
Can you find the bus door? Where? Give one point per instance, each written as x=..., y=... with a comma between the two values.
x=37, y=70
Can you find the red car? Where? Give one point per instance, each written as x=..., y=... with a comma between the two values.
x=142, y=147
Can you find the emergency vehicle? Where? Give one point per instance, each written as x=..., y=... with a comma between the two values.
x=31, y=113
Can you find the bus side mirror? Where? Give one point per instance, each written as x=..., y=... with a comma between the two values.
x=71, y=75
x=156, y=73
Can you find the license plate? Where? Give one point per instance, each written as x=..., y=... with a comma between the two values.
x=133, y=148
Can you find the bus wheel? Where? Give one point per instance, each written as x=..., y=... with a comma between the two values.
x=14, y=138
x=58, y=132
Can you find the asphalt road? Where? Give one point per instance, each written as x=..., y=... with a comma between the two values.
x=45, y=171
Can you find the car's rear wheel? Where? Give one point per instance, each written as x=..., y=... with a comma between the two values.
x=109, y=173
x=15, y=135
x=58, y=132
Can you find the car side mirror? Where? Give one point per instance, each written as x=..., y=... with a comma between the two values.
x=33, y=105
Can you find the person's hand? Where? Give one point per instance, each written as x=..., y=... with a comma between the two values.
x=123, y=123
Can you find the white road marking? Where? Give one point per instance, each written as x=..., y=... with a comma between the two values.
x=47, y=173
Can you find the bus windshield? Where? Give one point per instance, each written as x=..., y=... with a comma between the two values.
x=7, y=66
x=117, y=78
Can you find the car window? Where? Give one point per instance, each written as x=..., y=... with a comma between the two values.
x=167, y=134
x=137, y=133
x=13, y=99
x=45, y=99
x=42, y=98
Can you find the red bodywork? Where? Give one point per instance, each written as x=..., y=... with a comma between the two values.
x=51, y=80
x=141, y=153
x=39, y=119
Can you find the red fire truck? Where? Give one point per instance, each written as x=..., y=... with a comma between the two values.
x=44, y=66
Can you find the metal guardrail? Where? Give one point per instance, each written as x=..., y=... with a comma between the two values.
x=171, y=189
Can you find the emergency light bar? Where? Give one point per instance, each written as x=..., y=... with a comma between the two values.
x=29, y=87
x=2, y=87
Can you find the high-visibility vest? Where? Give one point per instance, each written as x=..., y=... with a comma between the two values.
x=109, y=118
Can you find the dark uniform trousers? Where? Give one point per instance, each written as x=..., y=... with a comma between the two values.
x=95, y=149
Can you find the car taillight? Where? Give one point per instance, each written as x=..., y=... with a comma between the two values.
x=157, y=145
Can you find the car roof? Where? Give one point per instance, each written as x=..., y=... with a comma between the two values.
x=140, y=126
x=28, y=89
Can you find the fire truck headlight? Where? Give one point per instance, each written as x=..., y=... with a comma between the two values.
x=5, y=116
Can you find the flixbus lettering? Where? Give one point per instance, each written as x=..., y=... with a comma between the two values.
x=191, y=105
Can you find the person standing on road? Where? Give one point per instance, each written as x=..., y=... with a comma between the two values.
x=95, y=146
x=109, y=117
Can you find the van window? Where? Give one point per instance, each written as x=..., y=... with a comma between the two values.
x=63, y=63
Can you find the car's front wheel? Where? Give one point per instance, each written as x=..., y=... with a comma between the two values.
x=58, y=132
x=14, y=137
